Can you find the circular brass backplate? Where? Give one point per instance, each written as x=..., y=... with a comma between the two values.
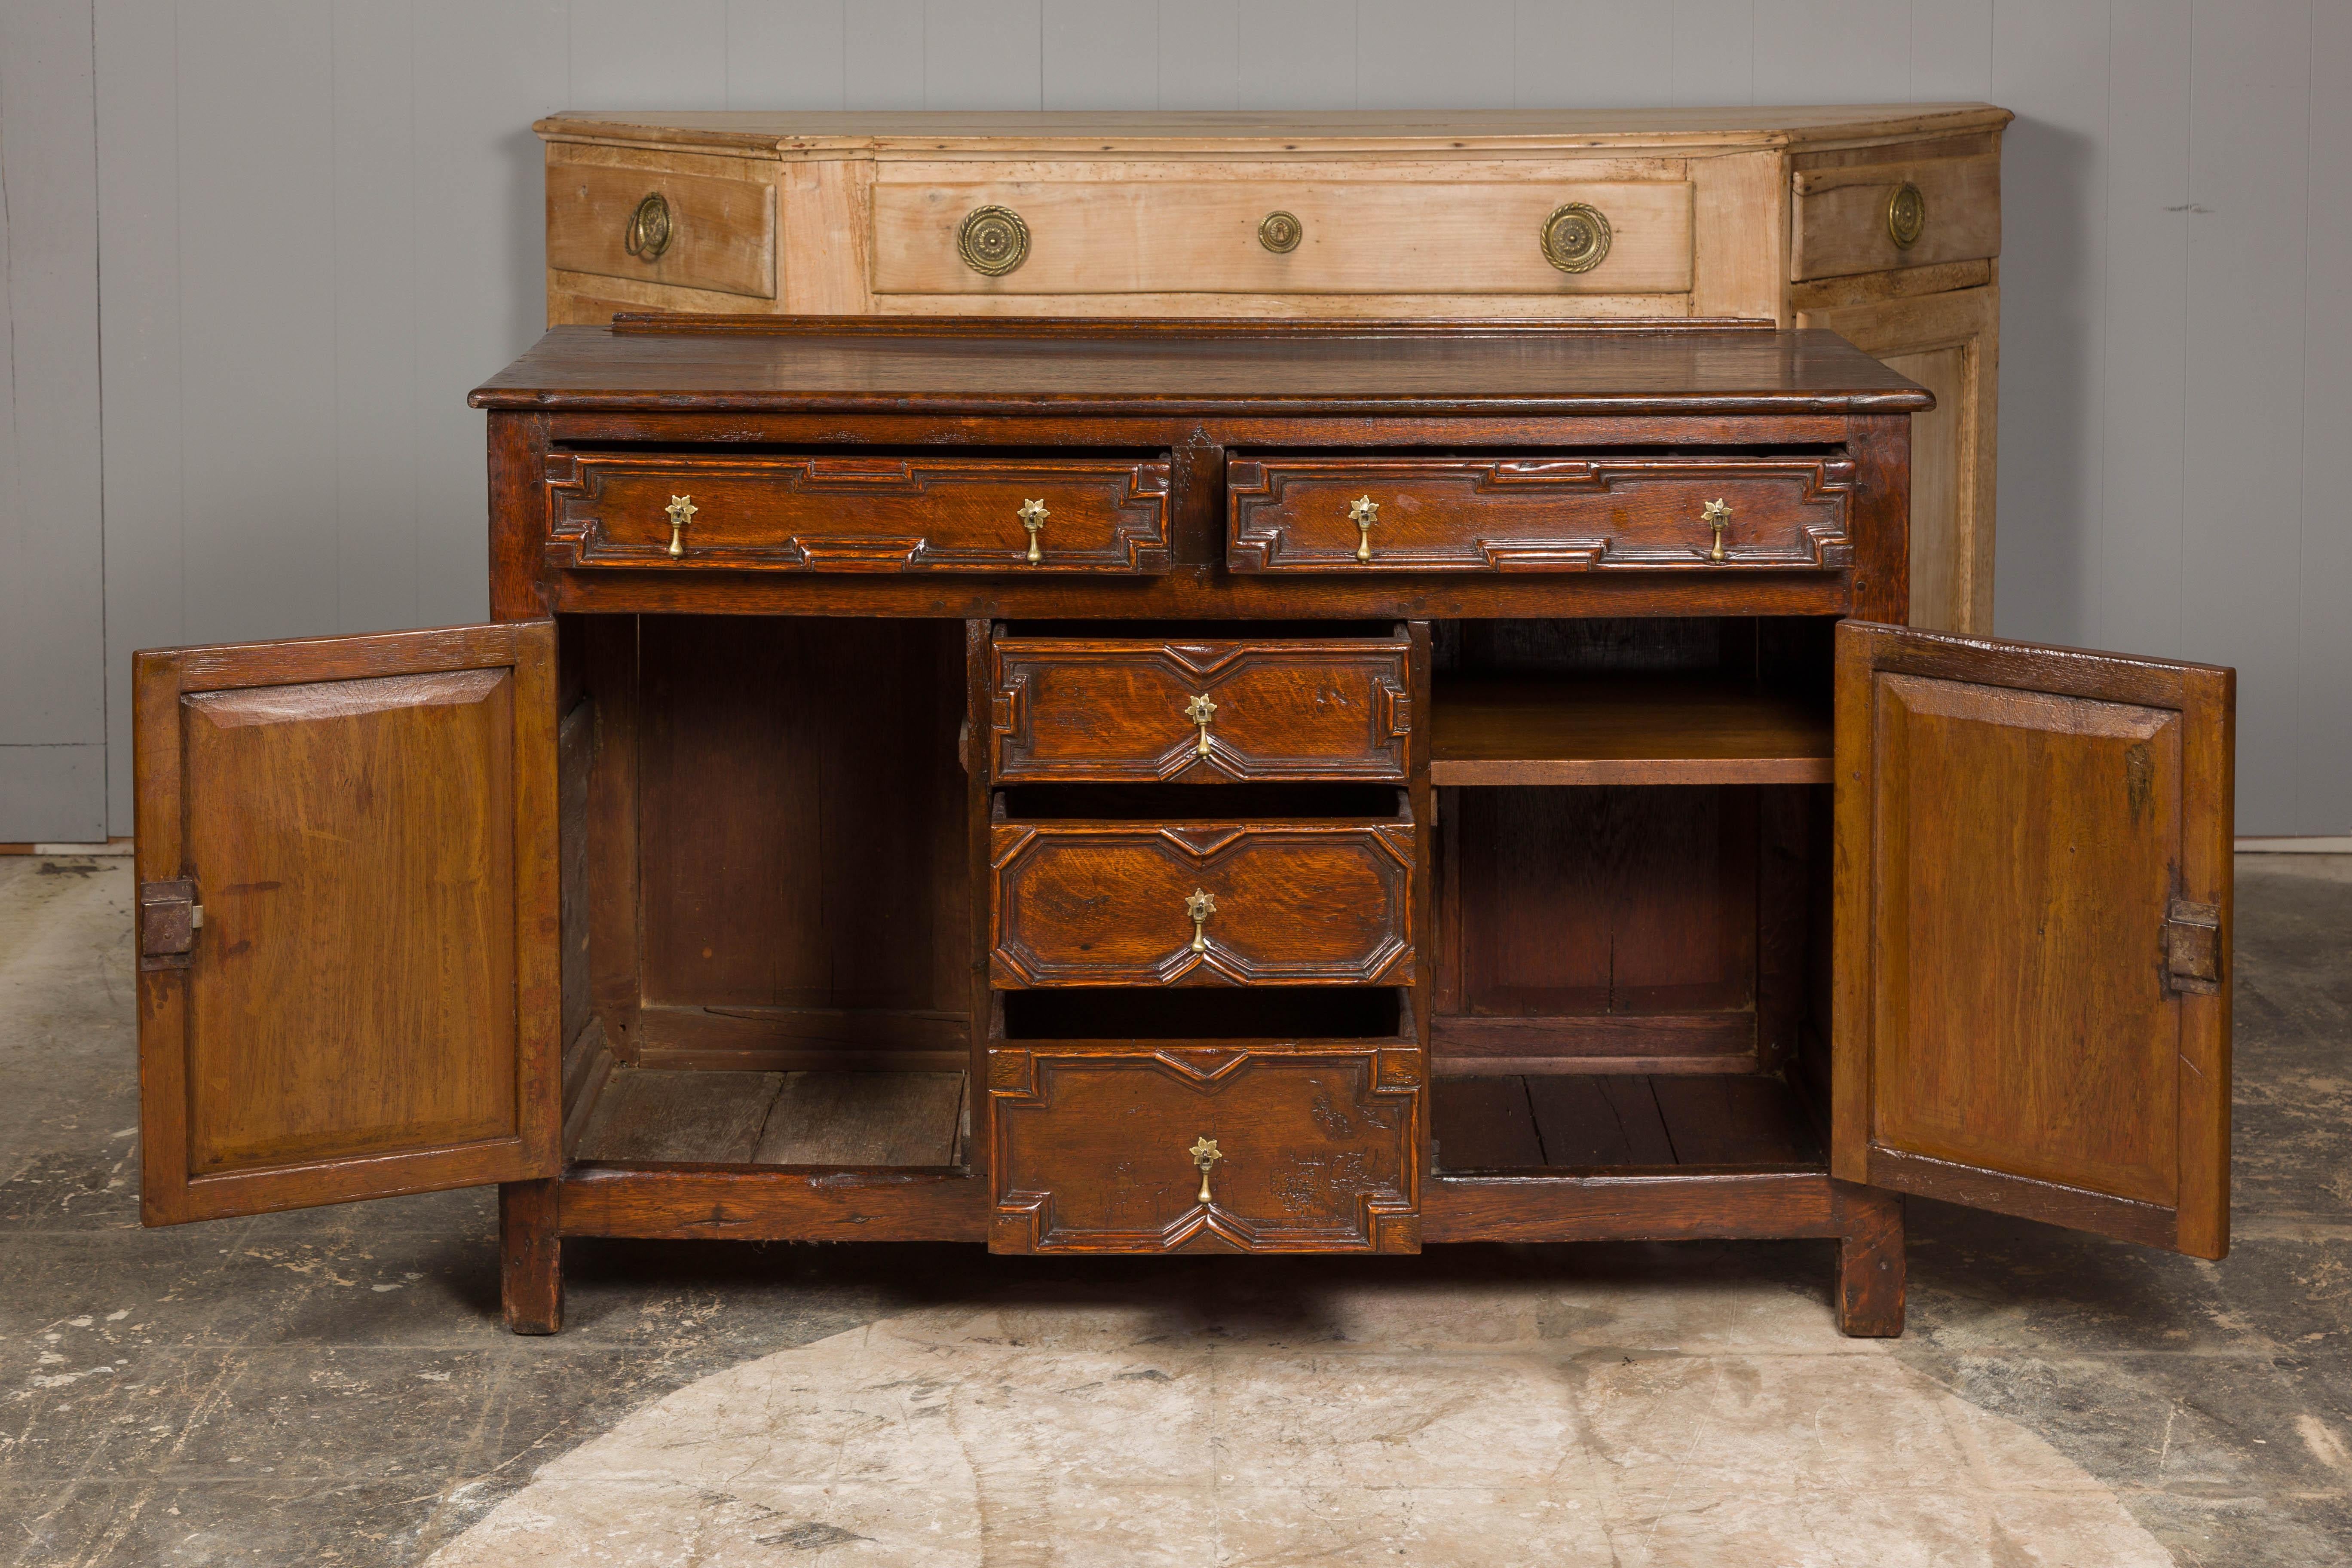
x=1906, y=215
x=1576, y=237
x=993, y=241
x=649, y=229
x=1280, y=232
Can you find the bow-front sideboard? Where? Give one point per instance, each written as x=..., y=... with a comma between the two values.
x=1156, y=786
x=1880, y=222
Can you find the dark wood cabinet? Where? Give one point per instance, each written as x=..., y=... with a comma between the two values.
x=1570, y=841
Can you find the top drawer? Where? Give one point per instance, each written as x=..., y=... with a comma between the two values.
x=688, y=231
x=857, y=514
x=1367, y=236
x=1875, y=217
x=1566, y=514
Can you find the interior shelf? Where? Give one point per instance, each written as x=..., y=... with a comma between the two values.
x=1584, y=1120
x=677, y=1116
x=1621, y=729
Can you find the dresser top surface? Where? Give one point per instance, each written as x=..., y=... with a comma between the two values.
x=1010, y=366
x=1219, y=131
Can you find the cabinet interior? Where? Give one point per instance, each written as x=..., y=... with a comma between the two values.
x=773, y=961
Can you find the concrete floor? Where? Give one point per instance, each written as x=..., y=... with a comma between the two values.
x=333, y=1386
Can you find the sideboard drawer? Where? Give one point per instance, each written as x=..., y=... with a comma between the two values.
x=688, y=231
x=1874, y=216
x=1448, y=514
x=1368, y=235
x=857, y=514
x=1301, y=903
x=1208, y=1147
x=1205, y=713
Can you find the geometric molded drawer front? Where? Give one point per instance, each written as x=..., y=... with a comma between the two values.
x=688, y=231
x=1200, y=712
x=1305, y=1148
x=1578, y=514
x=1140, y=903
x=857, y=514
x=1371, y=234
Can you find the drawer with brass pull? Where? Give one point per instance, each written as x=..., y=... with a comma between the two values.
x=1069, y=709
x=655, y=226
x=1399, y=232
x=857, y=514
x=1296, y=902
x=1576, y=514
x=1207, y=1146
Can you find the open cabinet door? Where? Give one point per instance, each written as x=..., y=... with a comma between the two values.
x=2032, y=932
x=348, y=918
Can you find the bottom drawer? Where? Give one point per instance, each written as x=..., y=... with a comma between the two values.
x=1100, y=1148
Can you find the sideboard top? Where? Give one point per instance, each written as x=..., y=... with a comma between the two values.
x=798, y=133
x=1008, y=365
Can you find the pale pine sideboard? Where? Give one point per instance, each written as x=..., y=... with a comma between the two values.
x=1880, y=222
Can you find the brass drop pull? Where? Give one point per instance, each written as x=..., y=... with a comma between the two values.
x=1717, y=516
x=1033, y=518
x=648, y=233
x=1365, y=512
x=681, y=509
x=1201, y=710
x=1906, y=215
x=1204, y=1155
x=1200, y=906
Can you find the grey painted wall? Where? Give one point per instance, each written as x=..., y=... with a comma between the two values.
x=283, y=239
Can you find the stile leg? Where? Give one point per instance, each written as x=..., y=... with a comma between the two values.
x=531, y=1257
x=1869, y=1262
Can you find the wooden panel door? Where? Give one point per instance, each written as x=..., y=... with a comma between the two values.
x=2032, y=1011
x=348, y=918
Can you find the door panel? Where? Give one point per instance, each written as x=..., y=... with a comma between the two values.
x=347, y=852
x=2031, y=932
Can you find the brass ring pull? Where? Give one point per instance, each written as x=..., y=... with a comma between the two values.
x=1280, y=232
x=1576, y=237
x=649, y=229
x=1033, y=518
x=1717, y=515
x=992, y=240
x=1200, y=906
x=1906, y=215
x=681, y=509
x=1201, y=710
x=1204, y=1155
x=1364, y=513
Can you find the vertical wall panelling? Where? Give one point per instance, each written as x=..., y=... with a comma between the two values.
x=53, y=695
x=784, y=54
x=1715, y=51
x=1298, y=54
x=1592, y=54
x=1099, y=54
x=625, y=54
x=981, y=54
x=2249, y=149
x=2049, y=64
x=1198, y=54
x=374, y=209
x=2321, y=762
x=2133, y=542
x=317, y=224
x=1410, y=55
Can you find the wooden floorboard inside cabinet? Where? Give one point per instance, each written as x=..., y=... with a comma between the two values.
x=1579, y=1121
x=666, y=1116
x=1625, y=730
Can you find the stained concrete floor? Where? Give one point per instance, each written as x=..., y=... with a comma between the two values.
x=333, y=1386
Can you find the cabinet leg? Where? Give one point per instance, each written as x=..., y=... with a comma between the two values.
x=1870, y=1263
x=531, y=1257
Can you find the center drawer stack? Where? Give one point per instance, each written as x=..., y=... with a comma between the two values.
x=1202, y=883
